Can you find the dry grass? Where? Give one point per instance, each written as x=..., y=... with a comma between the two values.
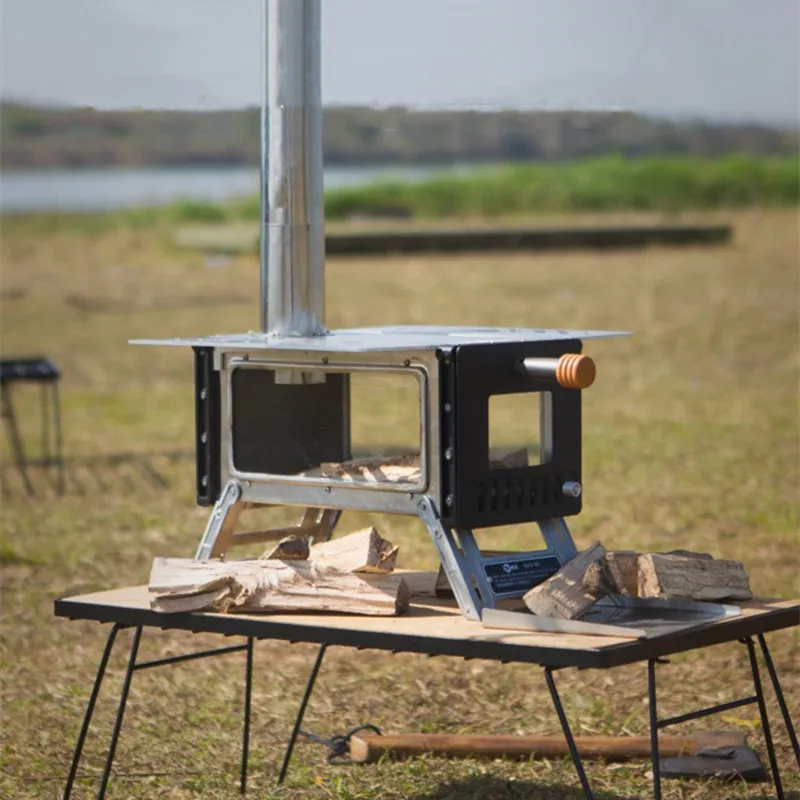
x=691, y=440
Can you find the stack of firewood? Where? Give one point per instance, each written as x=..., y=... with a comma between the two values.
x=352, y=574
x=596, y=573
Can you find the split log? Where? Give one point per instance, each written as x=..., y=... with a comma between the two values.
x=616, y=573
x=184, y=584
x=362, y=551
x=290, y=548
x=563, y=595
x=692, y=578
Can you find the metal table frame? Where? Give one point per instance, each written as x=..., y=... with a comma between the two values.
x=137, y=620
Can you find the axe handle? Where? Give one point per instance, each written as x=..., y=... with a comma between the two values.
x=368, y=749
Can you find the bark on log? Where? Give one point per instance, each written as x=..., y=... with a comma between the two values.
x=362, y=551
x=184, y=584
x=290, y=548
x=616, y=573
x=694, y=578
x=563, y=595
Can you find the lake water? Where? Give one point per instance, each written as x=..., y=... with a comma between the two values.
x=112, y=189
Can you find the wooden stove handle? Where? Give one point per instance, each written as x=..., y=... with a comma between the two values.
x=572, y=370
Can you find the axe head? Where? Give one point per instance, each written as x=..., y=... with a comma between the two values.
x=738, y=761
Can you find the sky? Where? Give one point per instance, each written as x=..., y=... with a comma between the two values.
x=714, y=59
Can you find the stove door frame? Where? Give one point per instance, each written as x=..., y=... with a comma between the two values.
x=291, y=490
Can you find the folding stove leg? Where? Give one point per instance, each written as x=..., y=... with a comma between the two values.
x=453, y=562
x=776, y=685
x=221, y=523
x=87, y=717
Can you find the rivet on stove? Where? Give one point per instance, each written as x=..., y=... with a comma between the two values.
x=204, y=480
x=448, y=454
x=327, y=490
x=324, y=359
x=204, y=437
x=448, y=407
x=448, y=501
x=203, y=394
x=407, y=363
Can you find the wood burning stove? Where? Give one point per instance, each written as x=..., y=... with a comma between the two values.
x=274, y=410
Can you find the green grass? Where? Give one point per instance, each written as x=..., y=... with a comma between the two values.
x=690, y=440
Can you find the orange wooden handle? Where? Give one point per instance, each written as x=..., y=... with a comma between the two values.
x=575, y=371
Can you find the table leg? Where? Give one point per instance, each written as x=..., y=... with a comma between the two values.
x=123, y=700
x=17, y=448
x=57, y=434
x=300, y=713
x=87, y=717
x=762, y=708
x=776, y=685
x=248, y=690
x=573, y=749
x=656, y=756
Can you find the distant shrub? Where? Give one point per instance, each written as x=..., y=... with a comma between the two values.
x=602, y=184
x=191, y=211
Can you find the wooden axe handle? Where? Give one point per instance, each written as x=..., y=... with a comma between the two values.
x=368, y=749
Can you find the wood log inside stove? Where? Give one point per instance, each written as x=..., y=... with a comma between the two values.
x=375, y=469
x=405, y=468
x=257, y=585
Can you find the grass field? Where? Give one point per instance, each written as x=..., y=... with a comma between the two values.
x=691, y=440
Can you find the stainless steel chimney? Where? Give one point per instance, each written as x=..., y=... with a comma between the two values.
x=292, y=199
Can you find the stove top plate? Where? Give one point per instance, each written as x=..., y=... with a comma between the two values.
x=395, y=337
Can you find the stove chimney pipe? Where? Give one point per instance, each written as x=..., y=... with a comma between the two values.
x=292, y=199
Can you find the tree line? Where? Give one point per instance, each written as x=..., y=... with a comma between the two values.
x=36, y=137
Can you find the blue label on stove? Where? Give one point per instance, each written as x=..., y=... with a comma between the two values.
x=519, y=575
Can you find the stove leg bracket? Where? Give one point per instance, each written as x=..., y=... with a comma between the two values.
x=220, y=534
x=467, y=568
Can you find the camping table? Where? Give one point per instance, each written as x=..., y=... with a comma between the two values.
x=434, y=627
